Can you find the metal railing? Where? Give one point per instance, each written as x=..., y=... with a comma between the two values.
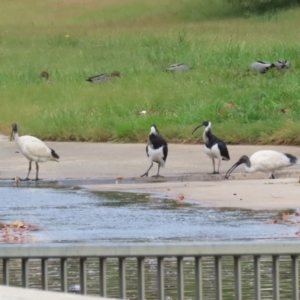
x=192, y=253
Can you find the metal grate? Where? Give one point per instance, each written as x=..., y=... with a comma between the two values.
x=214, y=271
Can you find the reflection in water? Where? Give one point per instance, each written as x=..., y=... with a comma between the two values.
x=151, y=277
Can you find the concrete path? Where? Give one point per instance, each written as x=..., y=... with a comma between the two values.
x=103, y=166
x=18, y=293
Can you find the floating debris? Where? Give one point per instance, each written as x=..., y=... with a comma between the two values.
x=17, y=181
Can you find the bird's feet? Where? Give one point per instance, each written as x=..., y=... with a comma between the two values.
x=144, y=175
x=214, y=172
x=157, y=176
x=26, y=179
x=37, y=179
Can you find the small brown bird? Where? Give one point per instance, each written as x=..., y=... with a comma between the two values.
x=103, y=77
x=45, y=75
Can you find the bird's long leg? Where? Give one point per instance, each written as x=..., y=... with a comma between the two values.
x=146, y=174
x=219, y=166
x=157, y=175
x=29, y=169
x=37, y=172
x=214, y=172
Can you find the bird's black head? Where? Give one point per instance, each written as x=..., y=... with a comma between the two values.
x=153, y=129
x=45, y=74
x=204, y=123
x=115, y=74
x=14, y=129
x=243, y=160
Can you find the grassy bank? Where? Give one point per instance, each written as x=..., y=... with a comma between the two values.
x=75, y=39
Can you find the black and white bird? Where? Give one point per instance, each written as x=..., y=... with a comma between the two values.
x=267, y=161
x=261, y=66
x=178, y=67
x=33, y=149
x=103, y=77
x=156, y=149
x=214, y=147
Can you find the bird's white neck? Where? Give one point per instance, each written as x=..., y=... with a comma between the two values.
x=16, y=136
x=208, y=127
x=206, y=130
x=153, y=130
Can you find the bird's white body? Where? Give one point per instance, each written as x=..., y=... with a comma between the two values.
x=213, y=152
x=261, y=66
x=33, y=148
x=268, y=161
x=156, y=155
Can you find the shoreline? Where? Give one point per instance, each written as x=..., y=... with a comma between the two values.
x=117, y=167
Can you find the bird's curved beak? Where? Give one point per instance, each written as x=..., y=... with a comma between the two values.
x=239, y=162
x=197, y=128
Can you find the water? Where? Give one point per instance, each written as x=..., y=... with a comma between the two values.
x=73, y=215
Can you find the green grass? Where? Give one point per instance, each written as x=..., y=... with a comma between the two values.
x=75, y=39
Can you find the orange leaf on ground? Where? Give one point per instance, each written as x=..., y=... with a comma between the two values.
x=180, y=197
x=285, y=216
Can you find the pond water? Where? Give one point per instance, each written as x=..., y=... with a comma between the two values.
x=72, y=215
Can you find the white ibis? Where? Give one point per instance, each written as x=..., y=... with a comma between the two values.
x=267, y=161
x=214, y=147
x=103, y=77
x=156, y=149
x=261, y=66
x=33, y=149
x=178, y=67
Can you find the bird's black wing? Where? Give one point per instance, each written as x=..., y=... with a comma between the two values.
x=223, y=149
x=212, y=140
x=165, y=152
x=148, y=145
x=293, y=159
